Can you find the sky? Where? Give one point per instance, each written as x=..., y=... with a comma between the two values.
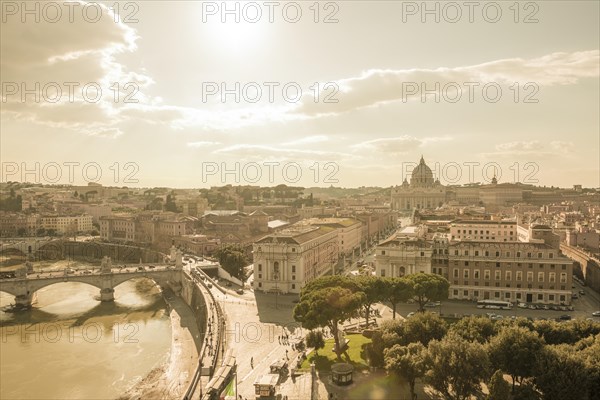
x=346, y=93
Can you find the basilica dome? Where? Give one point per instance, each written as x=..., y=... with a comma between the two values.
x=421, y=175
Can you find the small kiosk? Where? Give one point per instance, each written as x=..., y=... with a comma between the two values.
x=341, y=373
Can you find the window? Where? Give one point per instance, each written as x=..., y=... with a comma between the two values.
x=497, y=275
x=466, y=274
x=529, y=276
x=293, y=286
x=422, y=254
x=293, y=268
x=519, y=275
x=259, y=276
x=476, y=252
x=487, y=253
x=563, y=277
x=294, y=249
x=466, y=263
x=528, y=255
x=259, y=267
x=383, y=252
x=455, y=292
x=293, y=277
x=497, y=253
x=466, y=293
x=383, y=272
x=552, y=277
x=518, y=254
x=259, y=284
x=551, y=255
x=455, y=272
x=551, y=297
x=466, y=252
x=486, y=274
x=455, y=252
x=539, y=255
x=508, y=276
x=540, y=277
x=497, y=295
x=476, y=274
x=508, y=254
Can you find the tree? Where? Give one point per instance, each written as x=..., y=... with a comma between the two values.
x=383, y=338
x=21, y=232
x=76, y=194
x=327, y=307
x=407, y=362
x=560, y=375
x=396, y=290
x=456, y=367
x=514, y=350
x=474, y=328
x=315, y=340
x=373, y=288
x=232, y=260
x=423, y=328
x=428, y=287
x=498, y=387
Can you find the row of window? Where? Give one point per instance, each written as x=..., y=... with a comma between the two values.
x=487, y=253
x=507, y=295
x=509, y=265
x=509, y=274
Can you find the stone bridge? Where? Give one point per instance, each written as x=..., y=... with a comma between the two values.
x=24, y=285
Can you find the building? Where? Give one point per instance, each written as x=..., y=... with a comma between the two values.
x=422, y=192
x=516, y=272
x=285, y=261
x=403, y=255
x=484, y=230
x=67, y=224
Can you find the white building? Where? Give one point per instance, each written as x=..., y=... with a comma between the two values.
x=285, y=261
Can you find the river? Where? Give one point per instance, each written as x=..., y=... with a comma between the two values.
x=71, y=346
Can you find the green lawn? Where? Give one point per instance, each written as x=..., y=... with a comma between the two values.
x=356, y=354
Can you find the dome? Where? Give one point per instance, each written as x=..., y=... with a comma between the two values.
x=421, y=175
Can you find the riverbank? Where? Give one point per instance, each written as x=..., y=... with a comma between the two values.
x=171, y=379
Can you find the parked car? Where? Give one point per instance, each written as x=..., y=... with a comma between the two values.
x=522, y=305
x=410, y=314
x=596, y=313
x=240, y=291
x=581, y=292
x=564, y=317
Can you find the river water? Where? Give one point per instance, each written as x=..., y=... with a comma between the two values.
x=71, y=346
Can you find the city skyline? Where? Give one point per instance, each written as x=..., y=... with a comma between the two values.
x=365, y=57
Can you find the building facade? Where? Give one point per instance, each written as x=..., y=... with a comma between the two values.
x=422, y=192
x=285, y=261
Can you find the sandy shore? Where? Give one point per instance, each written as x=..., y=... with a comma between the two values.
x=171, y=379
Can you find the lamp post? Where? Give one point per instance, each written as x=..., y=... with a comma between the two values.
x=276, y=277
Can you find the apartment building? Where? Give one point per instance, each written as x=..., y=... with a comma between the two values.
x=67, y=224
x=484, y=230
x=516, y=272
x=285, y=261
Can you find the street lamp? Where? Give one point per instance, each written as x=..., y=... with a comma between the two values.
x=276, y=277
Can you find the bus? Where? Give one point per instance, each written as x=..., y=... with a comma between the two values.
x=495, y=304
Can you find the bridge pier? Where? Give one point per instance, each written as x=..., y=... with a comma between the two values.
x=23, y=300
x=107, y=294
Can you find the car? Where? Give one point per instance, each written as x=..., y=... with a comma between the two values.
x=209, y=285
x=496, y=317
x=87, y=272
x=574, y=296
x=240, y=291
x=582, y=293
x=564, y=317
x=140, y=268
x=431, y=304
x=596, y=313
x=410, y=314
x=522, y=305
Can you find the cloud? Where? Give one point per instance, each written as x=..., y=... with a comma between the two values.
x=307, y=140
x=260, y=152
x=396, y=145
x=532, y=148
x=381, y=86
x=202, y=144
